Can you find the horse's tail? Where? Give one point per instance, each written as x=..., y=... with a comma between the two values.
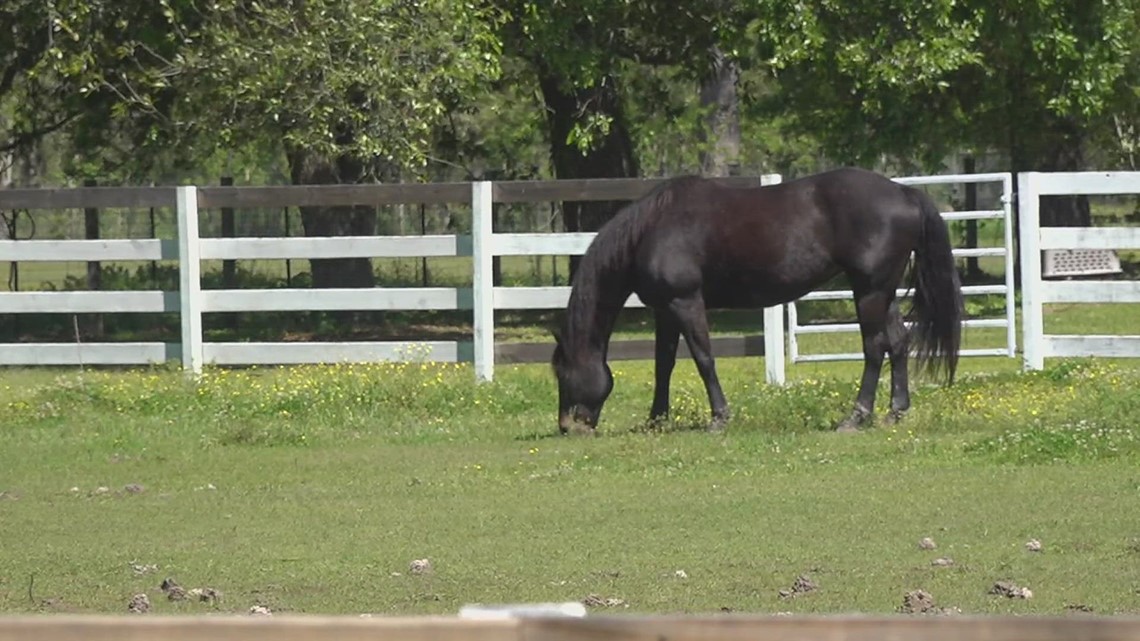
x=937, y=309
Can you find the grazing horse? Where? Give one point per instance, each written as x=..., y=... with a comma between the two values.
x=694, y=244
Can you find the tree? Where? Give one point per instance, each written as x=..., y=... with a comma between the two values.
x=346, y=91
x=922, y=80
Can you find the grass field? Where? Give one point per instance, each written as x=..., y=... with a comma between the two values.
x=312, y=489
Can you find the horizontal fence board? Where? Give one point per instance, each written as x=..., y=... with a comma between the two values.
x=858, y=356
x=1112, y=346
x=631, y=349
x=952, y=179
x=586, y=189
x=1090, y=238
x=87, y=302
x=978, y=252
x=334, y=195
x=346, y=299
x=88, y=353
x=542, y=244
x=973, y=215
x=334, y=247
x=295, y=353
x=845, y=294
x=1090, y=291
x=540, y=298
x=831, y=328
x=88, y=250
x=86, y=197
x=1088, y=183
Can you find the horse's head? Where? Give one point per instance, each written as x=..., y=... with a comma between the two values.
x=584, y=384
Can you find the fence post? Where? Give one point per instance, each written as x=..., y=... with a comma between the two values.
x=483, y=286
x=1032, y=321
x=774, y=344
x=774, y=361
x=190, y=278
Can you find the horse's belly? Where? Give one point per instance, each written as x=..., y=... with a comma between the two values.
x=754, y=290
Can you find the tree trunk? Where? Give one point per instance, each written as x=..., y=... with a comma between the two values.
x=612, y=156
x=721, y=153
x=307, y=168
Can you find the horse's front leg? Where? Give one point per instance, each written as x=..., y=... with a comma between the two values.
x=690, y=313
x=668, y=334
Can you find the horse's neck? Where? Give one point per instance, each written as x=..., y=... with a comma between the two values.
x=596, y=311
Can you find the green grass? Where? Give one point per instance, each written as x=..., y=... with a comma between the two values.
x=328, y=481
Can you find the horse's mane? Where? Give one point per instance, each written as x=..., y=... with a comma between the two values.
x=609, y=255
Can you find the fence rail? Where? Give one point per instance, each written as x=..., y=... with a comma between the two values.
x=1037, y=292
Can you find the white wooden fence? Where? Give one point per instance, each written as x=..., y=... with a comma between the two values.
x=1037, y=292
x=1006, y=250
x=191, y=301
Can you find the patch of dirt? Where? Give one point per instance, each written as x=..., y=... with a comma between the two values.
x=176, y=592
x=173, y=591
x=1011, y=590
x=596, y=601
x=917, y=602
x=927, y=543
x=922, y=602
x=141, y=569
x=204, y=595
x=9, y=495
x=802, y=585
x=139, y=604
x=1078, y=607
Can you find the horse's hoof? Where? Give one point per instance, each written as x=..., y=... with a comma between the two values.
x=581, y=430
x=718, y=424
x=894, y=416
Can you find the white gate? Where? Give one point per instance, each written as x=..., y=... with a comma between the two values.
x=1036, y=292
x=795, y=330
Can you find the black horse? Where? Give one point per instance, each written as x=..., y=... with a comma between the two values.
x=694, y=244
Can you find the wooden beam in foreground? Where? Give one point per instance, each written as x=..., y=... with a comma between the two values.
x=597, y=628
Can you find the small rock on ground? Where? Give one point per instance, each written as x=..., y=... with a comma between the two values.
x=917, y=602
x=942, y=562
x=596, y=601
x=1033, y=545
x=927, y=543
x=420, y=566
x=133, y=488
x=140, y=604
x=1011, y=590
x=173, y=591
x=260, y=610
x=802, y=585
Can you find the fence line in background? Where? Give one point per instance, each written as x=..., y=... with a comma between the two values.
x=483, y=246
x=1037, y=292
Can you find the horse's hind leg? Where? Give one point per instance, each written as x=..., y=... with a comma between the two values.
x=690, y=313
x=871, y=307
x=899, y=345
x=665, y=357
